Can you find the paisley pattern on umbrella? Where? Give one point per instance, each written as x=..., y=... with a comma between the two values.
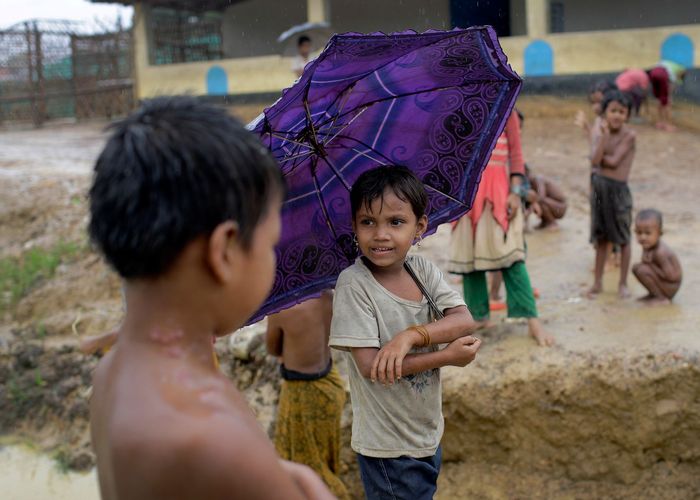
x=435, y=102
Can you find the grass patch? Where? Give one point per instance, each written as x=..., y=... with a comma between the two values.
x=19, y=275
x=62, y=461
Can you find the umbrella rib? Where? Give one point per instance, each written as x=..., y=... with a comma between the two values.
x=344, y=127
x=309, y=119
x=424, y=91
x=369, y=148
x=448, y=196
x=364, y=153
x=290, y=158
x=346, y=96
x=286, y=139
x=337, y=173
x=322, y=202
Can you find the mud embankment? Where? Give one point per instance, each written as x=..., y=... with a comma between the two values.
x=557, y=424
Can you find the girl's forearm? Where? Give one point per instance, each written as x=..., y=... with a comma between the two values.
x=450, y=328
x=424, y=361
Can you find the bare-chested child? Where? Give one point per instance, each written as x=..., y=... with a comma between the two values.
x=185, y=206
x=312, y=396
x=660, y=270
x=546, y=199
x=612, y=153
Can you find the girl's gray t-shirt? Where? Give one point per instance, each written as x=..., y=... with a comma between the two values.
x=404, y=418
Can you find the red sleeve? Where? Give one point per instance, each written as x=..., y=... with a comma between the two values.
x=515, y=151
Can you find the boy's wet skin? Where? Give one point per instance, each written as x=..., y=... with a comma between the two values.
x=660, y=270
x=165, y=423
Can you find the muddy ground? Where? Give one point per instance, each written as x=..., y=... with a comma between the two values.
x=612, y=411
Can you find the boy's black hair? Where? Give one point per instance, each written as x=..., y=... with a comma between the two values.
x=303, y=39
x=371, y=185
x=602, y=86
x=616, y=96
x=173, y=171
x=651, y=213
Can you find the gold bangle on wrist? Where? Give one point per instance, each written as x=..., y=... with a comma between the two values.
x=423, y=331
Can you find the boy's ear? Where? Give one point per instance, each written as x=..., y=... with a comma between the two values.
x=222, y=250
x=422, y=225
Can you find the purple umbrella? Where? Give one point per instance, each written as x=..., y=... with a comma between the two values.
x=434, y=102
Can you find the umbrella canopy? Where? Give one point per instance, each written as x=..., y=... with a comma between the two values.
x=434, y=102
x=319, y=33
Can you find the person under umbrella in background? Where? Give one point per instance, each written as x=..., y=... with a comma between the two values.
x=490, y=237
x=302, y=57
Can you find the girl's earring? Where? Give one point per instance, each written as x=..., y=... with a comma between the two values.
x=355, y=245
x=420, y=239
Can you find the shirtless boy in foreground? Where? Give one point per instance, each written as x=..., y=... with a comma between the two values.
x=660, y=270
x=185, y=206
x=312, y=397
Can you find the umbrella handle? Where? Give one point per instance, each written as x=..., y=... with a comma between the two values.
x=433, y=306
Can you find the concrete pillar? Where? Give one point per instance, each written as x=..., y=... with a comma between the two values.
x=537, y=15
x=318, y=11
x=140, y=49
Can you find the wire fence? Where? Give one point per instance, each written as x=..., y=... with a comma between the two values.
x=50, y=70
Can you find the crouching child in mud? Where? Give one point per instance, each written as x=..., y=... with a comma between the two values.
x=312, y=397
x=185, y=206
x=660, y=270
x=385, y=320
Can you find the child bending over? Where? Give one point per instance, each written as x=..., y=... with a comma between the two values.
x=312, y=397
x=546, y=199
x=612, y=152
x=185, y=206
x=660, y=270
x=387, y=323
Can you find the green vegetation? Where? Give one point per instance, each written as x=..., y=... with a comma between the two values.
x=41, y=330
x=62, y=460
x=38, y=379
x=19, y=275
x=17, y=394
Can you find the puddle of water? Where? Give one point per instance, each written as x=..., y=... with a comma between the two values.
x=27, y=475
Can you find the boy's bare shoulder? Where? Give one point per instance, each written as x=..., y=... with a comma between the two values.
x=208, y=451
x=664, y=251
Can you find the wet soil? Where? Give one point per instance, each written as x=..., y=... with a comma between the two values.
x=612, y=411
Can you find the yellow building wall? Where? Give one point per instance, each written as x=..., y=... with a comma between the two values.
x=596, y=51
x=601, y=51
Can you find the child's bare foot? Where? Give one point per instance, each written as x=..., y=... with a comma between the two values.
x=653, y=300
x=536, y=331
x=549, y=226
x=623, y=292
x=593, y=292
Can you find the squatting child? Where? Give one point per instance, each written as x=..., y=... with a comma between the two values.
x=312, y=397
x=660, y=270
x=612, y=152
x=546, y=199
x=387, y=323
x=185, y=206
